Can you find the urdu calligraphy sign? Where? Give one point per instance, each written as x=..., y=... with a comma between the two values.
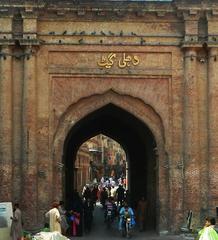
x=112, y=59
x=111, y=62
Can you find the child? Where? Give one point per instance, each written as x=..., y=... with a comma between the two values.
x=75, y=221
x=208, y=232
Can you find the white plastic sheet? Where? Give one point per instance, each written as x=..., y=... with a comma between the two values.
x=49, y=236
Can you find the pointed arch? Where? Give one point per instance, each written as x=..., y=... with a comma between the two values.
x=136, y=108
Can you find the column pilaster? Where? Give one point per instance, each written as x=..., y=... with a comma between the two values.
x=191, y=137
x=29, y=170
x=17, y=89
x=213, y=126
x=6, y=124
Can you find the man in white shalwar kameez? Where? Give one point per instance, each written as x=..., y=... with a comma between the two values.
x=54, y=218
x=16, y=226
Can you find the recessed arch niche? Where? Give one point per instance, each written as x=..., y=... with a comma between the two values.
x=132, y=123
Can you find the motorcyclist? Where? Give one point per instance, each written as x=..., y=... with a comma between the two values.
x=124, y=213
x=110, y=207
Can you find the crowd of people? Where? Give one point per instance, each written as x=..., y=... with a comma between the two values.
x=76, y=217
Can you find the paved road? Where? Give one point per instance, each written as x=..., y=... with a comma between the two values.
x=99, y=231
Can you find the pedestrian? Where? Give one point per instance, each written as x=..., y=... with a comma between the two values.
x=141, y=213
x=77, y=207
x=103, y=197
x=113, y=191
x=88, y=215
x=127, y=197
x=120, y=195
x=54, y=218
x=64, y=224
x=75, y=222
x=87, y=193
x=16, y=226
x=208, y=232
x=94, y=195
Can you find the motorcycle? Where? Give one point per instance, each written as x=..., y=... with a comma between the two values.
x=126, y=226
x=109, y=218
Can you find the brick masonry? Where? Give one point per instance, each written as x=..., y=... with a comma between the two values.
x=157, y=61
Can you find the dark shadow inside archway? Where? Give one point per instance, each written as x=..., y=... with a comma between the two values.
x=138, y=143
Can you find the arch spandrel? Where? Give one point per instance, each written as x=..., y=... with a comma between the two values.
x=87, y=105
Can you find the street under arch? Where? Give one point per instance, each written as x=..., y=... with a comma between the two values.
x=136, y=139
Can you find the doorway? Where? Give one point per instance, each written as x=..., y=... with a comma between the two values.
x=136, y=139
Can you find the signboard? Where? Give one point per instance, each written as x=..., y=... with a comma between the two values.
x=114, y=62
x=124, y=61
x=6, y=213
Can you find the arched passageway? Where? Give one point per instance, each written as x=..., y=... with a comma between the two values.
x=135, y=138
